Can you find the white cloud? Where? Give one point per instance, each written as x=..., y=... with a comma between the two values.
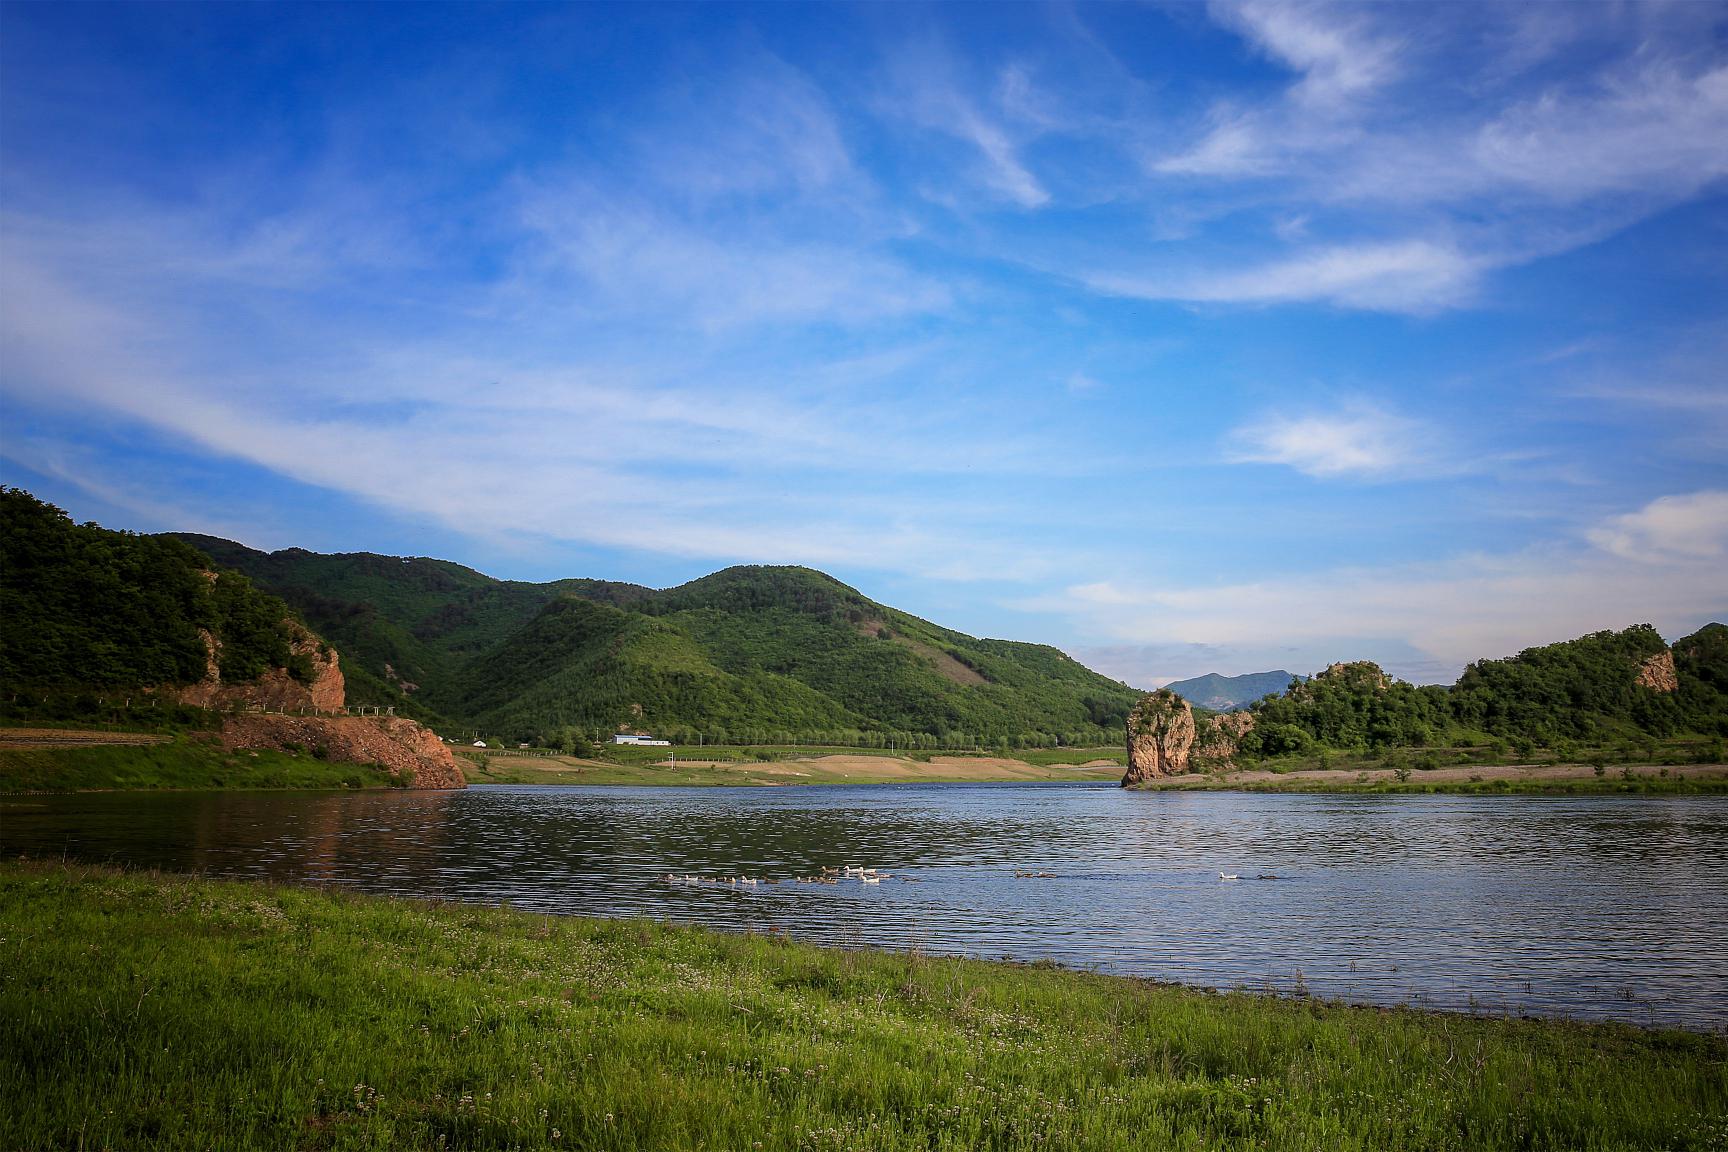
x=1235, y=146
x=1003, y=170
x=764, y=129
x=1510, y=171
x=1444, y=613
x=1338, y=54
x=1656, y=128
x=536, y=443
x=923, y=88
x=630, y=259
x=1645, y=135
x=1416, y=276
x=1689, y=526
x=1361, y=441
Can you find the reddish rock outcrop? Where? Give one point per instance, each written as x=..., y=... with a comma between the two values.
x=401, y=747
x=1658, y=674
x=1219, y=738
x=324, y=691
x=1160, y=736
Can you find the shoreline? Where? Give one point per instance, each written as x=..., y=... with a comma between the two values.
x=842, y=768
x=248, y=1014
x=1482, y=779
x=114, y=762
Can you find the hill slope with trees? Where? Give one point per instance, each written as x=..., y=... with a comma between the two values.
x=84, y=607
x=1597, y=689
x=752, y=654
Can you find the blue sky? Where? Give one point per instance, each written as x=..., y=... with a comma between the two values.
x=1188, y=338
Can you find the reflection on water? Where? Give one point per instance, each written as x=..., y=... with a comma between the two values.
x=1595, y=907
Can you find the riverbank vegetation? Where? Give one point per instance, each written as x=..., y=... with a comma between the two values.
x=182, y=762
x=143, y=1011
x=1513, y=779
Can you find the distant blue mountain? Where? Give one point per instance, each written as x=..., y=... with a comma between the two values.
x=1228, y=693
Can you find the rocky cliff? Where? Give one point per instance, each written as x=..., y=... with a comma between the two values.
x=1160, y=736
x=1658, y=673
x=409, y=752
x=277, y=690
x=1219, y=738
x=1361, y=676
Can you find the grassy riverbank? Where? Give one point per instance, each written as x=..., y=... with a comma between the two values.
x=1496, y=779
x=141, y=1011
x=193, y=761
x=703, y=768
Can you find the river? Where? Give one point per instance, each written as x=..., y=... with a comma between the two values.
x=1588, y=907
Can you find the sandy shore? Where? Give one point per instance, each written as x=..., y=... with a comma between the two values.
x=830, y=769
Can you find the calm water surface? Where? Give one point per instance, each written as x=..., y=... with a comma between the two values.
x=1609, y=907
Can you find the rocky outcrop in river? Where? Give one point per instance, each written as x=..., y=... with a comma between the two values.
x=1160, y=736
x=409, y=752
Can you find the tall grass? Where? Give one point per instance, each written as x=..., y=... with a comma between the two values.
x=142, y=1011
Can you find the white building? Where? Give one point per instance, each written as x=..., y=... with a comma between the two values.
x=629, y=738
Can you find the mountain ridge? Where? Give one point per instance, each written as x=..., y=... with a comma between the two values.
x=756, y=652
x=1229, y=693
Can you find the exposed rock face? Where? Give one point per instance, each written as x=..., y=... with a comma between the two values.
x=1360, y=674
x=276, y=689
x=1160, y=735
x=1219, y=737
x=401, y=747
x=1657, y=673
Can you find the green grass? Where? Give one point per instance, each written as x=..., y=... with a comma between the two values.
x=145, y=1012
x=190, y=763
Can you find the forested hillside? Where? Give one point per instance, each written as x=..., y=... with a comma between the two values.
x=1597, y=689
x=749, y=654
x=84, y=607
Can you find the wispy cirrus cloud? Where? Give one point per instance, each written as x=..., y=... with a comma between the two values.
x=925, y=89
x=629, y=259
x=1336, y=52
x=1521, y=172
x=1404, y=276
x=626, y=453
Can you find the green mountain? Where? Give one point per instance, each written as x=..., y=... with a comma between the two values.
x=749, y=654
x=1228, y=693
x=84, y=607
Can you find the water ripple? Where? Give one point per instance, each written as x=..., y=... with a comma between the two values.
x=1600, y=907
